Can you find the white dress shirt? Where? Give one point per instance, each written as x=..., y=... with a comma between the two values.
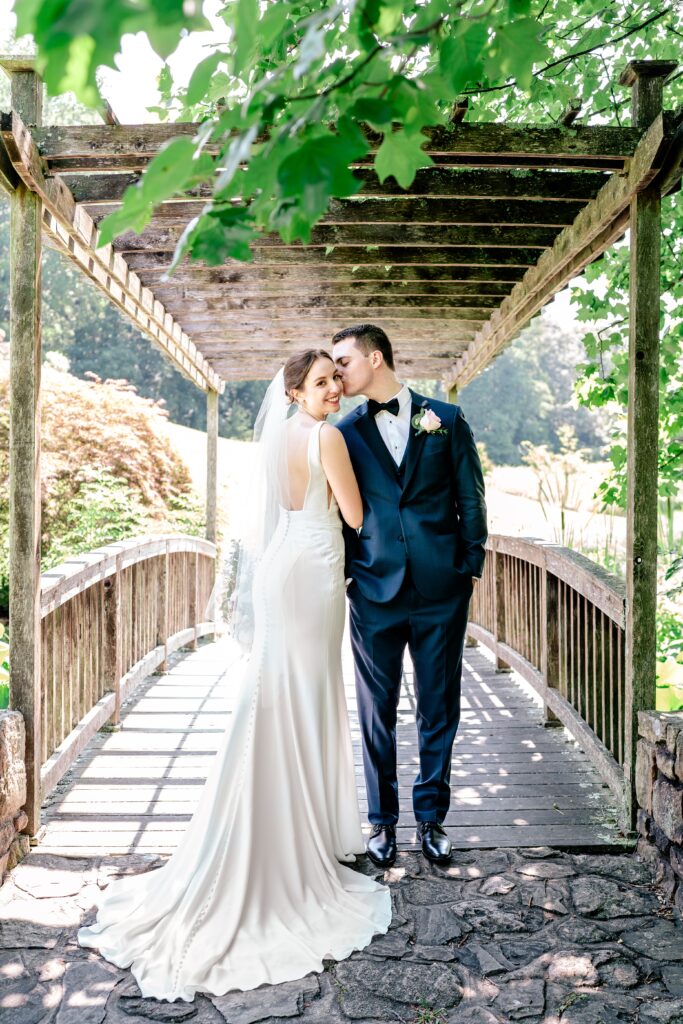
x=395, y=430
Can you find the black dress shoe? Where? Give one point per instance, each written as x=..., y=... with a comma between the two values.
x=435, y=843
x=381, y=846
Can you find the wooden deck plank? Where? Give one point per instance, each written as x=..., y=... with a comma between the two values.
x=513, y=781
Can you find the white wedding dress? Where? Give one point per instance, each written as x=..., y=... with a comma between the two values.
x=255, y=892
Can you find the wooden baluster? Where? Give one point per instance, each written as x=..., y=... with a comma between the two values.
x=112, y=637
x=500, y=590
x=162, y=631
x=550, y=640
x=193, y=591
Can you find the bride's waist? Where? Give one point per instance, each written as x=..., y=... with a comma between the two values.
x=308, y=520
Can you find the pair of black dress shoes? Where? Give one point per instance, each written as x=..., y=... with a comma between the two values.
x=381, y=846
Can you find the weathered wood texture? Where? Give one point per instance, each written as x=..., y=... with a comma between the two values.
x=596, y=227
x=153, y=266
x=24, y=517
x=513, y=782
x=436, y=182
x=157, y=251
x=489, y=210
x=163, y=236
x=559, y=620
x=108, y=619
x=363, y=214
x=74, y=232
x=69, y=147
x=642, y=429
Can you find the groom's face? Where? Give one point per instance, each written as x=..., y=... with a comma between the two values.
x=354, y=366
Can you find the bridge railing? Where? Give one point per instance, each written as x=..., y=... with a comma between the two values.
x=558, y=619
x=108, y=619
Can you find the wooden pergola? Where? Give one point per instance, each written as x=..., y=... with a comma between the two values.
x=452, y=268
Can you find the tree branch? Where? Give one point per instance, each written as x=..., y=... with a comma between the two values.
x=572, y=56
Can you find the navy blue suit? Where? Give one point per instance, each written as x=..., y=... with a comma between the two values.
x=412, y=562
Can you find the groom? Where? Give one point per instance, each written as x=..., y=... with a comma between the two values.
x=412, y=565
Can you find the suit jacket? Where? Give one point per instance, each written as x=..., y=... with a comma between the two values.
x=431, y=514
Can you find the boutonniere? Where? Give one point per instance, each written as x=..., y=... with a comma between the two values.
x=427, y=422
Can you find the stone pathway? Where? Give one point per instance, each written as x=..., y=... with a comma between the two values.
x=532, y=934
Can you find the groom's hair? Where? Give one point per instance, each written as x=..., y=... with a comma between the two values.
x=368, y=339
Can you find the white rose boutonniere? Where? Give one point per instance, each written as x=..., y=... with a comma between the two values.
x=427, y=422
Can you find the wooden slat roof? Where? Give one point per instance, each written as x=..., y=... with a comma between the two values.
x=451, y=268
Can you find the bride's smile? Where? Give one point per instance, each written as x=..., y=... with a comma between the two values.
x=320, y=394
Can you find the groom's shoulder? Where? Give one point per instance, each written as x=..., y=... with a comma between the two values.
x=351, y=417
x=446, y=411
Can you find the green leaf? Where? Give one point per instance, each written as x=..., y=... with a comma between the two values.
x=460, y=57
x=245, y=25
x=515, y=50
x=379, y=113
x=134, y=213
x=173, y=168
x=388, y=17
x=201, y=77
x=311, y=175
x=402, y=156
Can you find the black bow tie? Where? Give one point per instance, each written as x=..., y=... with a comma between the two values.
x=390, y=406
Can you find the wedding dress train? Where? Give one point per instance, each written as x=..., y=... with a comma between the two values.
x=255, y=893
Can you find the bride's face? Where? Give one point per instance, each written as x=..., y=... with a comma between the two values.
x=322, y=390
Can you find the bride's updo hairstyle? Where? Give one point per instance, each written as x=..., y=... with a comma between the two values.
x=297, y=368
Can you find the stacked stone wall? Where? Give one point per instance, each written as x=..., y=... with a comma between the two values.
x=13, y=845
x=659, y=788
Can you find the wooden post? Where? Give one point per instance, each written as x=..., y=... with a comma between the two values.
x=211, y=462
x=646, y=79
x=452, y=394
x=24, y=519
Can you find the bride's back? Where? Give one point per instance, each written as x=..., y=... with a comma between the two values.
x=298, y=466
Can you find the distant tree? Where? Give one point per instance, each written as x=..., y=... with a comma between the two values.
x=526, y=394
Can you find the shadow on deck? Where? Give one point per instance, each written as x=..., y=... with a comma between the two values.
x=515, y=783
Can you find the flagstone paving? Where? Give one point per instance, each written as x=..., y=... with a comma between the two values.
x=519, y=931
x=532, y=934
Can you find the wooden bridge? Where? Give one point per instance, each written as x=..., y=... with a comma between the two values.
x=504, y=219
x=112, y=618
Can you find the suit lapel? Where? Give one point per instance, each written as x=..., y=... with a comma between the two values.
x=415, y=441
x=370, y=433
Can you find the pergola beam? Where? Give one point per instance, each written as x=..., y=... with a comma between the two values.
x=164, y=236
x=596, y=227
x=431, y=183
x=463, y=321
x=332, y=296
x=347, y=218
x=153, y=266
x=271, y=307
x=74, y=231
x=352, y=256
x=70, y=144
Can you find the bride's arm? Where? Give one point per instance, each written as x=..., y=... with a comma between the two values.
x=336, y=462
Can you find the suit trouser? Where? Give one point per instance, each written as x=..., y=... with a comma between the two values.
x=435, y=634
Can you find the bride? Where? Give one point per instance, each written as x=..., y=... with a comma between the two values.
x=255, y=892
